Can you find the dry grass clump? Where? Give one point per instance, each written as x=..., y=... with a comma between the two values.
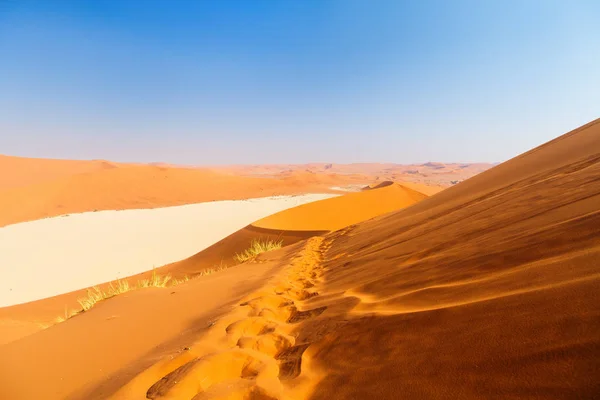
x=155, y=281
x=215, y=268
x=68, y=314
x=257, y=246
x=96, y=294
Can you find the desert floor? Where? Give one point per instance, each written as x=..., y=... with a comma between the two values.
x=62, y=254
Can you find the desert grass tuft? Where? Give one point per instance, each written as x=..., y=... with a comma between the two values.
x=120, y=286
x=96, y=294
x=176, y=282
x=215, y=268
x=68, y=314
x=257, y=247
x=156, y=280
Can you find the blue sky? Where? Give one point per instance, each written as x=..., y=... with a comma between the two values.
x=221, y=82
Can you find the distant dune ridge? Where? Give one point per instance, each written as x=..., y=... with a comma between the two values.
x=22, y=171
x=133, y=186
x=430, y=173
x=34, y=188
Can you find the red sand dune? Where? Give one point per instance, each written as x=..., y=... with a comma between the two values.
x=489, y=289
x=24, y=319
x=135, y=308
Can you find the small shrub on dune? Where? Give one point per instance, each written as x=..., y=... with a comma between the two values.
x=257, y=247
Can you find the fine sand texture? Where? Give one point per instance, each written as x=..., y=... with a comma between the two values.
x=82, y=250
x=489, y=289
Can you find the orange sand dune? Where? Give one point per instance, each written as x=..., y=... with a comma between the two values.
x=299, y=223
x=24, y=319
x=489, y=289
x=22, y=171
x=339, y=212
x=137, y=308
x=128, y=187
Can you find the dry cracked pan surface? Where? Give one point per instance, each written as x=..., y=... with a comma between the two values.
x=489, y=289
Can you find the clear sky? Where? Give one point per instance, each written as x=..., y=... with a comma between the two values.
x=276, y=81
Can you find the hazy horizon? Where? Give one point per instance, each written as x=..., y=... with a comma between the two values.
x=264, y=82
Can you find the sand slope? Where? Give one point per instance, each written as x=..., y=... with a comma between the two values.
x=489, y=289
x=299, y=223
x=177, y=319
x=92, y=354
x=339, y=212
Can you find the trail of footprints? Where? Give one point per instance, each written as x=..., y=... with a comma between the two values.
x=262, y=353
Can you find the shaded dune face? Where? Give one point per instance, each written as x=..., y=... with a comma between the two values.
x=487, y=290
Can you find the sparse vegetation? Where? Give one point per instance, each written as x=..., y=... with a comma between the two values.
x=256, y=247
x=96, y=294
x=65, y=316
x=215, y=268
x=155, y=281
